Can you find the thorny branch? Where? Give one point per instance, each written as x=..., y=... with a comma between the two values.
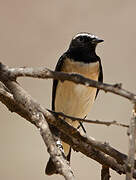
x=17, y=100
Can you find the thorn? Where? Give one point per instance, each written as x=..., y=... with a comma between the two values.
x=118, y=85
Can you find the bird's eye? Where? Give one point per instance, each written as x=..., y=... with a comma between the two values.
x=81, y=39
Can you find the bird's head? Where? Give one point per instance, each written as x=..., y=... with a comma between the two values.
x=85, y=40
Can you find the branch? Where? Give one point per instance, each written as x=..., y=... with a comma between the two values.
x=78, y=145
x=107, y=123
x=132, y=146
x=45, y=73
x=24, y=105
x=27, y=104
x=62, y=165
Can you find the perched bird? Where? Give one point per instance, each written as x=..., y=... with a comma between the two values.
x=75, y=99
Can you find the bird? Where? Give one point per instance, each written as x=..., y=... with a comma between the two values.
x=75, y=99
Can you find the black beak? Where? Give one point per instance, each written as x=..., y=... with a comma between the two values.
x=97, y=40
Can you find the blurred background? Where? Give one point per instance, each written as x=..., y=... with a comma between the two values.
x=35, y=33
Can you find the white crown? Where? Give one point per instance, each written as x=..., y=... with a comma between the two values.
x=85, y=34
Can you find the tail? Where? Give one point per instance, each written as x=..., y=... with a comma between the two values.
x=64, y=148
x=51, y=168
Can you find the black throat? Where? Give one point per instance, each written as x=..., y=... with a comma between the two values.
x=86, y=55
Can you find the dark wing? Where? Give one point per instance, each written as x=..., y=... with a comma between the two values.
x=50, y=168
x=55, y=82
x=100, y=78
x=59, y=65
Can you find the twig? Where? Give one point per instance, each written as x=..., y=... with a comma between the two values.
x=105, y=173
x=132, y=146
x=107, y=123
